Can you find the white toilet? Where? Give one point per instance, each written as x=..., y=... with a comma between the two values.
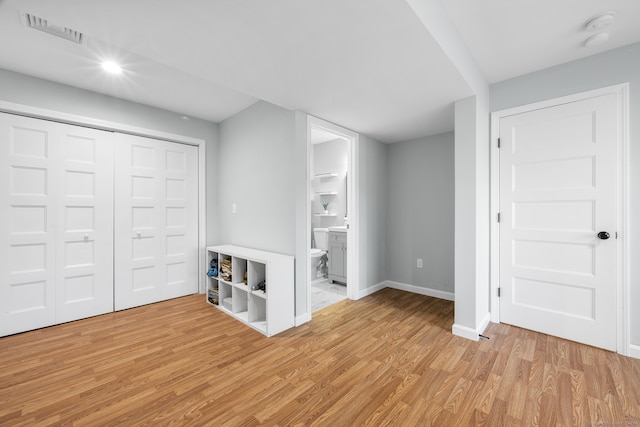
x=319, y=253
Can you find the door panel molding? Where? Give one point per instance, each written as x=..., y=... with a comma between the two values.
x=622, y=242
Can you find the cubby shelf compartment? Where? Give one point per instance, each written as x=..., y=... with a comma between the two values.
x=269, y=312
x=259, y=294
x=241, y=286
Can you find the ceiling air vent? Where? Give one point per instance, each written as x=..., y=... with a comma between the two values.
x=41, y=24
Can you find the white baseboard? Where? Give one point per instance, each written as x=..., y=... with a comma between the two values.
x=464, y=332
x=634, y=351
x=469, y=333
x=449, y=296
x=371, y=290
x=302, y=319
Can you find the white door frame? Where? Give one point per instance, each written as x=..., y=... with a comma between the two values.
x=353, y=270
x=623, y=290
x=45, y=114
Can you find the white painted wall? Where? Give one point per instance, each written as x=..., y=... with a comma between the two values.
x=420, y=212
x=612, y=67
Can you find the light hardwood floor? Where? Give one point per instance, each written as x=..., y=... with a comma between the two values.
x=388, y=359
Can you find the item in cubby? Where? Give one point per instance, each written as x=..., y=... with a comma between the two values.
x=245, y=277
x=225, y=269
x=262, y=286
x=212, y=296
x=213, y=268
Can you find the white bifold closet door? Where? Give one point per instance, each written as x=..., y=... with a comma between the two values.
x=56, y=211
x=156, y=221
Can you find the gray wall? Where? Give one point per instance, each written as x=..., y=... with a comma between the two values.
x=256, y=172
x=372, y=218
x=21, y=89
x=471, y=234
x=420, y=212
x=608, y=68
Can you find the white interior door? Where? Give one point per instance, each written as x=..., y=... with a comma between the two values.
x=27, y=207
x=56, y=200
x=557, y=192
x=156, y=242
x=84, y=237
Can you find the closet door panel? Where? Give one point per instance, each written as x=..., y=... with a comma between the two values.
x=27, y=209
x=180, y=222
x=137, y=215
x=85, y=232
x=156, y=221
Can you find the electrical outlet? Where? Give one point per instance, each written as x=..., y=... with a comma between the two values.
x=234, y=208
x=419, y=262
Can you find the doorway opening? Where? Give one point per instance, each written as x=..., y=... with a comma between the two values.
x=332, y=213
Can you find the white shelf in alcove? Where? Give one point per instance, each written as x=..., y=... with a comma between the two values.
x=324, y=214
x=327, y=193
x=326, y=175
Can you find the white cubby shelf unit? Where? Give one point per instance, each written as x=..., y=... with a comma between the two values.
x=269, y=312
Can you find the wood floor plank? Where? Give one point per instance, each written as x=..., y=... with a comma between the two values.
x=387, y=359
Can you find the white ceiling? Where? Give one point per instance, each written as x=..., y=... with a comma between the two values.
x=509, y=38
x=369, y=65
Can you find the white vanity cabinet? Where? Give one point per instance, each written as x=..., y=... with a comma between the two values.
x=270, y=311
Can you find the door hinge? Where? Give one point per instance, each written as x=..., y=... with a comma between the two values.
x=498, y=292
x=498, y=142
x=498, y=216
x=616, y=234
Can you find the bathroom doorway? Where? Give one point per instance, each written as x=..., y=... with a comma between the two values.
x=331, y=225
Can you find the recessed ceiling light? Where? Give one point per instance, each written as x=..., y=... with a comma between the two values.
x=599, y=22
x=597, y=39
x=111, y=67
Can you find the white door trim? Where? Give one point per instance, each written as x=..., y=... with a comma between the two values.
x=41, y=113
x=623, y=290
x=353, y=270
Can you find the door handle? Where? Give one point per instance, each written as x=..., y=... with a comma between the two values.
x=603, y=235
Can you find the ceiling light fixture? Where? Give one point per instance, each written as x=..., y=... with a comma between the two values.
x=597, y=39
x=111, y=67
x=599, y=22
